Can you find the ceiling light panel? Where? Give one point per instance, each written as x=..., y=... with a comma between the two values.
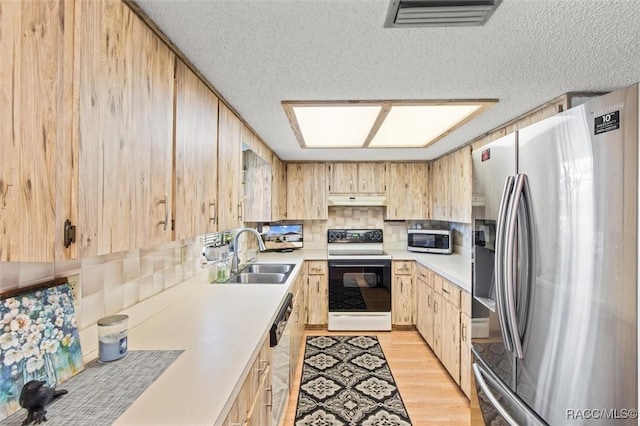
x=335, y=126
x=419, y=125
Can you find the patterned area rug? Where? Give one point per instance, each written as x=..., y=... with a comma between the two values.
x=346, y=381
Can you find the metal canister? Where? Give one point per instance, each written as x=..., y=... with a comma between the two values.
x=112, y=337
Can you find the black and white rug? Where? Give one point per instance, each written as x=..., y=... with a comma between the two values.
x=346, y=381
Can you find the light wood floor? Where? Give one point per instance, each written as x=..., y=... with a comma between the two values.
x=429, y=394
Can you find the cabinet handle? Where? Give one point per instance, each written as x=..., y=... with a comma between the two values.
x=435, y=307
x=270, y=390
x=444, y=290
x=463, y=334
x=261, y=370
x=213, y=218
x=429, y=300
x=240, y=211
x=166, y=211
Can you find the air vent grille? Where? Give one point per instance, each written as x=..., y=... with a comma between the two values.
x=439, y=13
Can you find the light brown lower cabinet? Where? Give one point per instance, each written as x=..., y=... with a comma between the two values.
x=317, y=297
x=299, y=318
x=443, y=320
x=403, y=296
x=465, y=343
x=252, y=406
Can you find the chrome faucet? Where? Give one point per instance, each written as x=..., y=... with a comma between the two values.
x=234, y=260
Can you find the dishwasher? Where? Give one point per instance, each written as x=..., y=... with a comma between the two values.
x=280, y=342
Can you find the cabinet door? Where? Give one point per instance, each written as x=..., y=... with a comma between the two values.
x=430, y=318
x=317, y=297
x=343, y=178
x=440, y=200
x=460, y=183
x=230, y=167
x=438, y=321
x=403, y=300
x=421, y=306
x=256, y=184
x=307, y=191
x=278, y=189
x=372, y=178
x=451, y=339
x=407, y=191
x=125, y=130
x=36, y=157
x=196, y=155
x=465, y=354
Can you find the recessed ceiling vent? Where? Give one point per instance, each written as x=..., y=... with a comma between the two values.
x=439, y=13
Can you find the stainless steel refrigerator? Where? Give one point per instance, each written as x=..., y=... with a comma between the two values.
x=554, y=328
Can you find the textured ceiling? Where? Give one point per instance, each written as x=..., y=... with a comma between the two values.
x=260, y=52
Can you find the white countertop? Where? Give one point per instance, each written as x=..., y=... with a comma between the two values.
x=454, y=267
x=220, y=328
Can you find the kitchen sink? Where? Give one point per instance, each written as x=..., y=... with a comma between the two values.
x=258, y=278
x=268, y=268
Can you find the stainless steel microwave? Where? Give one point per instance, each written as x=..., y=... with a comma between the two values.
x=429, y=241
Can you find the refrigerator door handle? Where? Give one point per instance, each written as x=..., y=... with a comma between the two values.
x=499, y=263
x=510, y=264
x=477, y=371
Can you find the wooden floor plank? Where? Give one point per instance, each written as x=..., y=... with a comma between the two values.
x=430, y=395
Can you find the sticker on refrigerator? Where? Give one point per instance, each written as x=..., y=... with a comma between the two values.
x=607, y=122
x=486, y=154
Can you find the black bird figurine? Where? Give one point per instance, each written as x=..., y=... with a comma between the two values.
x=34, y=397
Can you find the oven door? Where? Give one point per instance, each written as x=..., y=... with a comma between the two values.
x=359, y=286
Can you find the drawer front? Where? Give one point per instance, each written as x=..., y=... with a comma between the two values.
x=451, y=292
x=403, y=267
x=423, y=273
x=317, y=267
x=436, y=282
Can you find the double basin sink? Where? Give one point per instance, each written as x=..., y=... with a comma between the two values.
x=262, y=273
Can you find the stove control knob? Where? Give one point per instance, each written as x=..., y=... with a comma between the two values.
x=377, y=235
x=332, y=236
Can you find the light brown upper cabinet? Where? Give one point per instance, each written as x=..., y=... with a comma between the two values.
x=125, y=130
x=230, y=169
x=278, y=189
x=357, y=178
x=450, y=187
x=36, y=156
x=407, y=191
x=461, y=185
x=196, y=155
x=439, y=189
x=307, y=191
x=256, y=187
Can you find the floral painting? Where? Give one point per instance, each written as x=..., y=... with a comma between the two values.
x=38, y=340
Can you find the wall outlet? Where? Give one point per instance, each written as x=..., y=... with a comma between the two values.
x=74, y=283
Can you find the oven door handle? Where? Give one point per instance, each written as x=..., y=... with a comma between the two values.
x=351, y=265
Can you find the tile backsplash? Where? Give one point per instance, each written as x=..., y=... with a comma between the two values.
x=113, y=282
x=395, y=232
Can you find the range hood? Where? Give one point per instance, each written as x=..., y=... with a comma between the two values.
x=357, y=200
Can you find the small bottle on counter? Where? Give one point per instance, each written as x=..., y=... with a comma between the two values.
x=224, y=268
